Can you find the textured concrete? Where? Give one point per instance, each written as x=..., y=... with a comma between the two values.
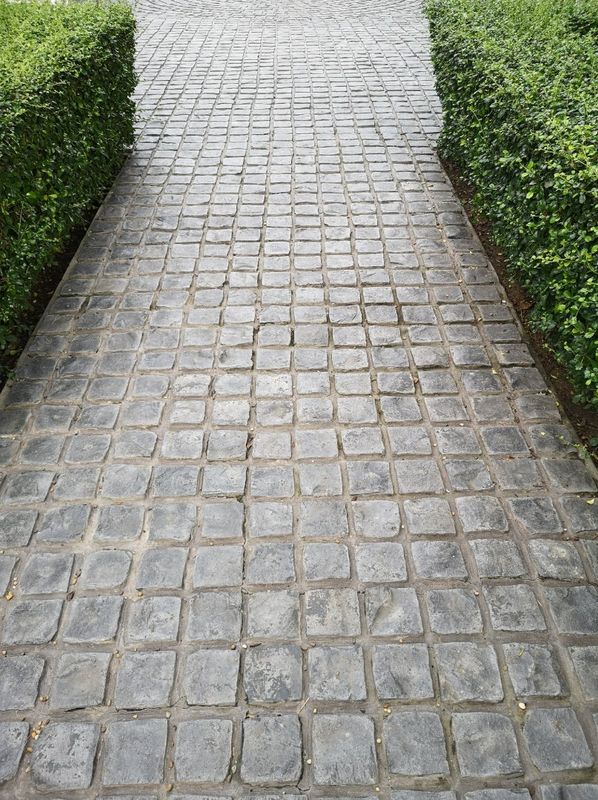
x=286, y=505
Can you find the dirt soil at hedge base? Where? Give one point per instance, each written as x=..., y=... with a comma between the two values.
x=584, y=420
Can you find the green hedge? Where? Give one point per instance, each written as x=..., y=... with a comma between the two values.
x=66, y=119
x=517, y=80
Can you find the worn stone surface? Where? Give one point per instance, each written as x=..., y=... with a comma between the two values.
x=13, y=738
x=285, y=504
x=271, y=750
x=415, y=744
x=202, y=750
x=344, y=750
x=63, y=756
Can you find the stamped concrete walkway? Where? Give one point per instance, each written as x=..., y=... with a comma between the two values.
x=286, y=506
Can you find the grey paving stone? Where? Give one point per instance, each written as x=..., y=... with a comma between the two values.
x=369, y=477
x=453, y=611
x=116, y=522
x=13, y=738
x=86, y=448
x=203, y=750
x=468, y=671
x=336, y=673
x=362, y=441
x=325, y=560
x=567, y=475
x=214, y=616
x=270, y=519
x=105, y=569
x=153, y=619
x=408, y=794
x=31, y=621
x=182, y=444
x=466, y=475
x=135, y=444
x=270, y=563
x=556, y=740
x=323, y=518
x=514, y=608
x=497, y=558
x=505, y=440
x=16, y=527
x=481, y=514
x=575, y=791
x=63, y=524
x=517, y=474
x=536, y=515
x=271, y=750
x=444, y=409
x=456, y=441
x=19, y=681
x=134, y=752
x=210, y=677
x=273, y=674
x=46, y=573
x=392, y=612
x=271, y=482
x=63, y=756
x=532, y=670
x=410, y=440
x=320, y=480
x=376, y=519
x=125, y=480
x=222, y=520
x=77, y=484
x=79, y=680
x=271, y=445
x=498, y=794
x=344, y=752
x=174, y=481
x=585, y=661
x=227, y=444
x=590, y=548
x=144, y=680
x=173, y=522
x=218, y=566
x=379, y=562
x=575, y=609
x=22, y=488
x=415, y=744
x=332, y=612
x=558, y=560
x=438, y=560
x=429, y=515
x=162, y=568
x=92, y=619
x=418, y=476
x=7, y=565
x=402, y=672
x=486, y=745
x=316, y=444
x=582, y=516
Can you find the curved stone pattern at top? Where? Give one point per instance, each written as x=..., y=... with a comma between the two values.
x=287, y=508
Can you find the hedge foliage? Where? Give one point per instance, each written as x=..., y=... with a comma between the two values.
x=66, y=119
x=518, y=83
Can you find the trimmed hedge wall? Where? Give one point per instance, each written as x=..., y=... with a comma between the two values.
x=518, y=84
x=66, y=120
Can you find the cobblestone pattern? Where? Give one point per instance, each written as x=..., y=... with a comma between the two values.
x=286, y=505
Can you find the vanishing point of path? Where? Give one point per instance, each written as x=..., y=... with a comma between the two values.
x=287, y=509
